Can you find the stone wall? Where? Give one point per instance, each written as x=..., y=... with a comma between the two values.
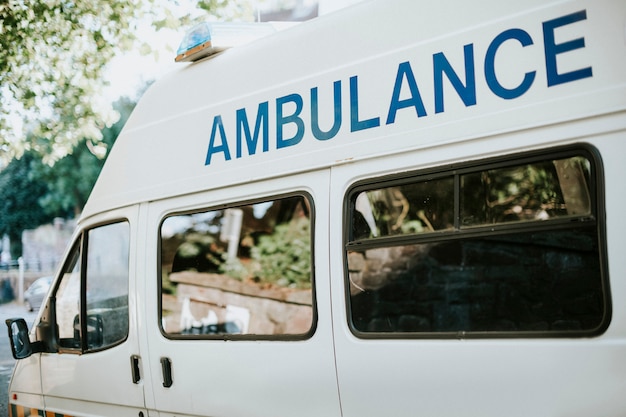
x=514, y=283
x=204, y=302
x=43, y=247
x=42, y=251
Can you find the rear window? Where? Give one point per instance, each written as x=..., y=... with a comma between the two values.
x=508, y=248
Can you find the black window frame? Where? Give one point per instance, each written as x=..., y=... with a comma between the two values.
x=234, y=336
x=81, y=245
x=597, y=217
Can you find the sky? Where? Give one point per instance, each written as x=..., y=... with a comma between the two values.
x=129, y=72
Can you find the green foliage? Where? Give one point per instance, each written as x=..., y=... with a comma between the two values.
x=53, y=57
x=71, y=179
x=522, y=191
x=19, y=195
x=234, y=268
x=167, y=286
x=284, y=258
x=33, y=193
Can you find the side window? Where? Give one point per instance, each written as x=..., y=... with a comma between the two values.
x=92, y=296
x=68, y=301
x=243, y=270
x=513, y=248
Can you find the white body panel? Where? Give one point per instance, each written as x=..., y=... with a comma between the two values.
x=199, y=93
x=530, y=76
x=98, y=383
x=541, y=377
x=218, y=377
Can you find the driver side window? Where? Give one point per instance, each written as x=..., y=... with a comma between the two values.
x=92, y=296
x=68, y=301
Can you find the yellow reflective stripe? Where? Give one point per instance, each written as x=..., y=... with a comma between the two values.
x=21, y=411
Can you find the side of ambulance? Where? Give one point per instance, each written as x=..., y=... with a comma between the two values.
x=398, y=209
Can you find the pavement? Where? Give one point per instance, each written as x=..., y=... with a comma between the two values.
x=9, y=310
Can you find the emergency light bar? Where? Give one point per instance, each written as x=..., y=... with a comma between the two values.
x=206, y=39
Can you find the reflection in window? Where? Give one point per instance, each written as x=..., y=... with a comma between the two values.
x=243, y=270
x=537, y=191
x=523, y=254
x=68, y=301
x=107, y=284
x=534, y=191
x=106, y=278
x=416, y=207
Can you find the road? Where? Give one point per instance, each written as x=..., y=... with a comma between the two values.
x=7, y=362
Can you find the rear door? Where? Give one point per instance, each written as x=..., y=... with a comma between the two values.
x=238, y=301
x=97, y=369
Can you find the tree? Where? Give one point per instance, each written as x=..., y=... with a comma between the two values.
x=19, y=198
x=33, y=193
x=53, y=54
x=70, y=180
x=52, y=58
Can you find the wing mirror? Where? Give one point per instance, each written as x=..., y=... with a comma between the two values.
x=20, y=341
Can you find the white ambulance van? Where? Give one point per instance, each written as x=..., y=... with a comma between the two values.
x=404, y=208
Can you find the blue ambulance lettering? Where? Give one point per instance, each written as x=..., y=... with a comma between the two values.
x=405, y=73
x=282, y=120
x=316, y=129
x=552, y=49
x=291, y=118
x=490, y=65
x=260, y=127
x=466, y=91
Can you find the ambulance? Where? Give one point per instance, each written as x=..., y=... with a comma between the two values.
x=402, y=208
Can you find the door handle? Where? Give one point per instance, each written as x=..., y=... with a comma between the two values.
x=166, y=367
x=134, y=368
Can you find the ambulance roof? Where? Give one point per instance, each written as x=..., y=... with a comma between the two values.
x=376, y=78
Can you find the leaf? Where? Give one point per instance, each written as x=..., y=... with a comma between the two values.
x=53, y=57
